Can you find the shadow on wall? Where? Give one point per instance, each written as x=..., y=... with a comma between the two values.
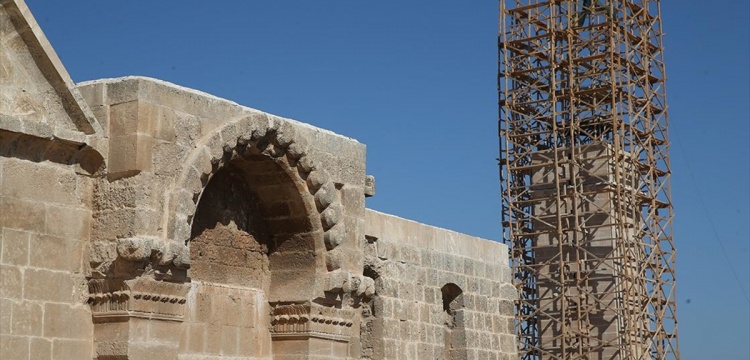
x=251, y=229
x=454, y=331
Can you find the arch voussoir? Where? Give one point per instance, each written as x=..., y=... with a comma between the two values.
x=275, y=138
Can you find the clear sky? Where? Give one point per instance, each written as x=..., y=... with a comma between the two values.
x=416, y=81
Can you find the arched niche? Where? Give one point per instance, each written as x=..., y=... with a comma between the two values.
x=454, y=330
x=259, y=139
x=255, y=226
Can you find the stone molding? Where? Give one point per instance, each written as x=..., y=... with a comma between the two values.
x=310, y=320
x=113, y=300
x=138, y=256
x=147, y=248
x=276, y=139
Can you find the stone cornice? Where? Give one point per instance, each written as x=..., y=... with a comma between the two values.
x=310, y=320
x=137, y=298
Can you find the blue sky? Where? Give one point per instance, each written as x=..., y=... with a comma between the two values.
x=415, y=81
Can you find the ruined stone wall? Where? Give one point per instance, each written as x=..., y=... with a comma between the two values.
x=45, y=220
x=163, y=137
x=440, y=294
x=46, y=186
x=253, y=213
x=142, y=220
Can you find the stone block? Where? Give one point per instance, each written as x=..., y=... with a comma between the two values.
x=202, y=309
x=15, y=247
x=229, y=339
x=213, y=339
x=162, y=121
x=407, y=291
x=510, y=326
x=507, y=342
x=169, y=158
x=22, y=214
x=14, y=347
x=410, y=255
x=95, y=96
x=147, y=221
x=432, y=278
x=483, y=269
x=129, y=155
x=124, y=119
x=387, y=287
x=67, y=321
x=66, y=349
x=400, y=310
x=152, y=351
x=48, y=285
x=6, y=309
x=23, y=180
x=472, y=285
x=266, y=347
x=391, y=349
x=40, y=348
x=125, y=223
x=485, y=287
x=187, y=128
x=196, y=338
x=117, y=194
x=68, y=222
x=109, y=338
x=11, y=282
x=508, y=292
x=387, y=250
x=163, y=331
x=248, y=341
x=469, y=267
x=505, y=275
x=27, y=318
x=45, y=253
x=226, y=310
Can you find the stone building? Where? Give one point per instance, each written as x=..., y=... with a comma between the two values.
x=143, y=220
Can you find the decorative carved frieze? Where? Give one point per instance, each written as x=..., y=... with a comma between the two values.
x=310, y=320
x=139, y=298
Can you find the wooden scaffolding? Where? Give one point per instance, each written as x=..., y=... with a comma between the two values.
x=585, y=173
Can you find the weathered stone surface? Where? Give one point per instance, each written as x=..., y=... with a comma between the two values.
x=35, y=87
x=177, y=225
x=413, y=264
x=370, y=186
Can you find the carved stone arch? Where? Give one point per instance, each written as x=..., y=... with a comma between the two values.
x=257, y=136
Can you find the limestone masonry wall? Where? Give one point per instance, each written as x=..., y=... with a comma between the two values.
x=45, y=220
x=412, y=264
x=140, y=220
x=45, y=198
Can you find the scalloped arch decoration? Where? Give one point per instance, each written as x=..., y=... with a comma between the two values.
x=276, y=139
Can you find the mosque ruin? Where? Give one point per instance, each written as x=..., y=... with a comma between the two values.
x=143, y=220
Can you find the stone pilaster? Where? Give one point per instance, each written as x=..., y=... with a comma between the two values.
x=137, y=319
x=137, y=296
x=301, y=329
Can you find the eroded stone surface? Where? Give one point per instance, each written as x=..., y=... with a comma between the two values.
x=177, y=225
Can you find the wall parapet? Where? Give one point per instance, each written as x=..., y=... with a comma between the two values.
x=390, y=228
